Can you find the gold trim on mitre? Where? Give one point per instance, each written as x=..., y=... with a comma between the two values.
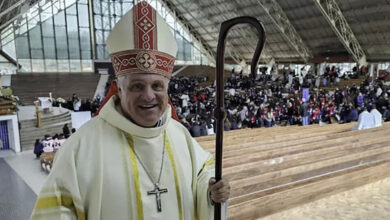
x=143, y=61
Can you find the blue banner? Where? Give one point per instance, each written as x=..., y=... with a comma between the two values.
x=4, y=135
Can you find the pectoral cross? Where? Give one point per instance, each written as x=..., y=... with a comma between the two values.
x=157, y=191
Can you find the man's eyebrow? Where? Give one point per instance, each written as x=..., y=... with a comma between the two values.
x=158, y=81
x=136, y=81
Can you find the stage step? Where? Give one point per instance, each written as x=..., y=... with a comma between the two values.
x=51, y=125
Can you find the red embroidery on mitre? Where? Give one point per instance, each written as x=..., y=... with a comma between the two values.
x=143, y=61
x=145, y=26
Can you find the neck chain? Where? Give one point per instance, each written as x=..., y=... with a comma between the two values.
x=156, y=191
x=161, y=166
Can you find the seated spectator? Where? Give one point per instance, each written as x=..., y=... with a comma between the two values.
x=227, y=125
x=48, y=144
x=61, y=140
x=377, y=116
x=353, y=115
x=386, y=114
x=38, y=148
x=66, y=131
x=77, y=105
x=195, y=130
x=325, y=115
x=210, y=129
x=234, y=124
x=203, y=129
x=360, y=100
x=247, y=102
x=366, y=120
x=269, y=118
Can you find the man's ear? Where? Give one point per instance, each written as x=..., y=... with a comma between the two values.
x=119, y=88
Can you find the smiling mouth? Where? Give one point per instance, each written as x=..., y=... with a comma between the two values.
x=148, y=106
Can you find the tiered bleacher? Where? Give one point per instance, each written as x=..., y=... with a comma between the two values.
x=274, y=169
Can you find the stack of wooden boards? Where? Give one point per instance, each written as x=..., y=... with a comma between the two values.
x=277, y=168
x=7, y=106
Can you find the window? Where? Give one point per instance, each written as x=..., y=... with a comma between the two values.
x=126, y=6
x=25, y=65
x=69, y=2
x=22, y=29
x=72, y=26
x=35, y=38
x=61, y=43
x=383, y=66
x=9, y=48
x=83, y=15
x=75, y=65
x=63, y=65
x=46, y=11
x=51, y=65
x=86, y=65
x=37, y=65
x=47, y=28
x=71, y=10
x=100, y=52
x=97, y=7
x=180, y=47
x=22, y=47
x=187, y=51
x=85, y=39
x=59, y=19
x=74, y=49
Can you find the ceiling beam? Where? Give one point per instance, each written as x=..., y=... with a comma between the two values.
x=10, y=8
x=277, y=15
x=347, y=13
x=210, y=53
x=229, y=47
x=232, y=53
x=251, y=31
x=350, y=14
x=216, y=17
x=332, y=13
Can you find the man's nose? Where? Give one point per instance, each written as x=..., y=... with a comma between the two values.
x=149, y=94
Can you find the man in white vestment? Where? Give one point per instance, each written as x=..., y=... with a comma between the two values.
x=377, y=116
x=185, y=99
x=365, y=121
x=133, y=161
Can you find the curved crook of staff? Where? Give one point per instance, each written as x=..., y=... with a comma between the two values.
x=220, y=112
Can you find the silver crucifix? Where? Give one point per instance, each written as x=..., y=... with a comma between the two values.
x=157, y=191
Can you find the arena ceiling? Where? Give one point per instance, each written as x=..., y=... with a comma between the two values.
x=296, y=30
x=10, y=9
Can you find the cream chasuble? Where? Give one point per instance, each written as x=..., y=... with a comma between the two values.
x=96, y=174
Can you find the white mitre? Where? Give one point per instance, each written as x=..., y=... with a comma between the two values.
x=142, y=42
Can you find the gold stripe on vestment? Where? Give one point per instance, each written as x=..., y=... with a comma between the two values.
x=171, y=158
x=127, y=172
x=58, y=201
x=134, y=168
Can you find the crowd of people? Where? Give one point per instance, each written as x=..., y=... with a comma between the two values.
x=75, y=103
x=45, y=148
x=278, y=99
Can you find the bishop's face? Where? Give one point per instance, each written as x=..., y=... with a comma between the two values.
x=143, y=97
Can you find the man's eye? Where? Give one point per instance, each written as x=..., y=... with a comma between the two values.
x=136, y=87
x=157, y=86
